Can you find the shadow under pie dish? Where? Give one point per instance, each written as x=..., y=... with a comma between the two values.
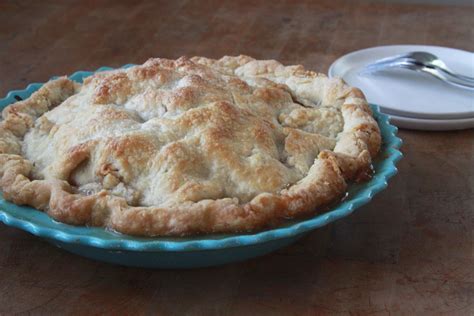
x=187, y=146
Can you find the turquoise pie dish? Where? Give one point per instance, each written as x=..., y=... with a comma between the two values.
x=198, y=251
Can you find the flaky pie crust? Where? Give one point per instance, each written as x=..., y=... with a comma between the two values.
x=187, y=146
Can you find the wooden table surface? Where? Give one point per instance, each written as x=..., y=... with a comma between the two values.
x=409, y=251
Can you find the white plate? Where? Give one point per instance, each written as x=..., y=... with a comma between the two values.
x=407, y=93
x=431, y=125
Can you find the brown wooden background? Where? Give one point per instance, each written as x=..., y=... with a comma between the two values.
x=409, y=251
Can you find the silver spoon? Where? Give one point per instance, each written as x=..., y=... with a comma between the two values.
x=422, y=62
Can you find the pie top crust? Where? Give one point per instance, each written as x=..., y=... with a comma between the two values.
x=186, y=146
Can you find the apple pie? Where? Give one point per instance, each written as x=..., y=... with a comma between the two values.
x=187, y=146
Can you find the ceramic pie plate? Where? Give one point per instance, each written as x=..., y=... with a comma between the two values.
x=199, y=251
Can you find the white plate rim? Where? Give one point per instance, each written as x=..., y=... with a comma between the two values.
x=431, y=124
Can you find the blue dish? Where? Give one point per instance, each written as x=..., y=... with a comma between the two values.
x=199, y=251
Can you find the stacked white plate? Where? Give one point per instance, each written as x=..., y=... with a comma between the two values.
x=413, y=100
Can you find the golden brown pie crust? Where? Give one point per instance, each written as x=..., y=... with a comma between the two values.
x=187, y=146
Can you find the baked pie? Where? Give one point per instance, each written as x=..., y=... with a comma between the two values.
x=187, y=146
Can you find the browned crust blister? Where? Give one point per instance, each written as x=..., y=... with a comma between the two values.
x=325, y=181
